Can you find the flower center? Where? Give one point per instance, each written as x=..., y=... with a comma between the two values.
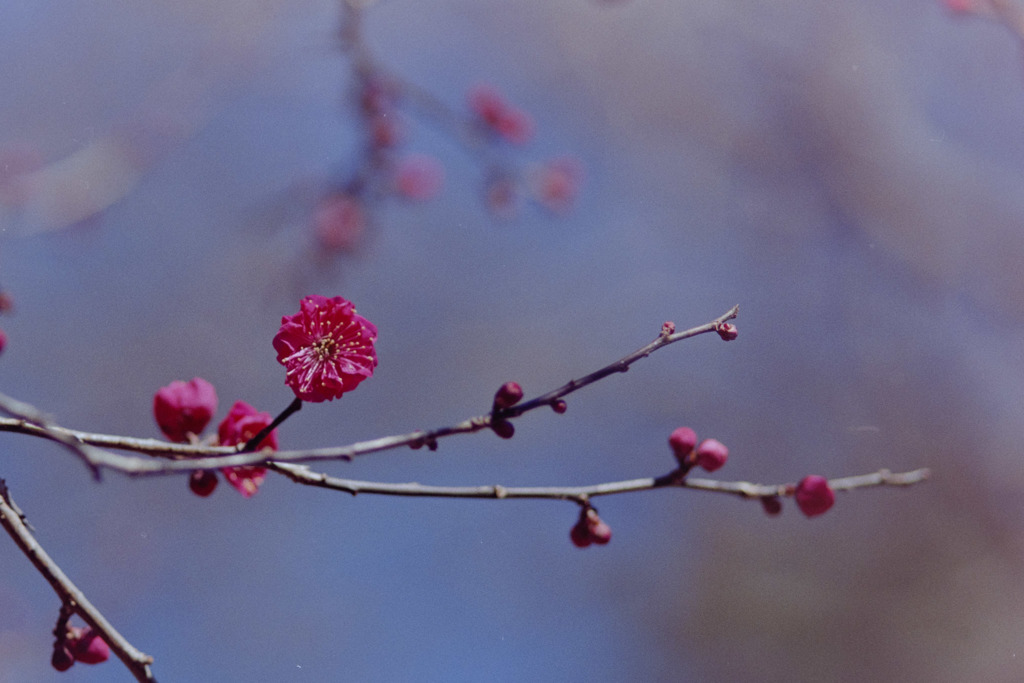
x=325, y=347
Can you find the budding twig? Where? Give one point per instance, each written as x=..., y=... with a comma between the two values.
x=582, y=494
x=189, y=457
x=71, y=597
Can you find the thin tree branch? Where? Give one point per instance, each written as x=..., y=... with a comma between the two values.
x=70, y=595
x=31, y=417
x=582, y=494
x=189, y=457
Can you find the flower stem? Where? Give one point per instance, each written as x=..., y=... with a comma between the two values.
x=293, y=407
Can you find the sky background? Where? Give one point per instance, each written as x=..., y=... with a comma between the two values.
x=849, y=174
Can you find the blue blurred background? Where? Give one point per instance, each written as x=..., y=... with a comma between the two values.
x=850, y=174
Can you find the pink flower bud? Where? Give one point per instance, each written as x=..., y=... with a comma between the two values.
x=487, y=103
x=600, y=533
x=498, y=115
x=418, y=177
x=559, y=406
x=62, y=660
x=503, y=428
x=962, y=7
x=772, y=505
x=682, y=440
x=711, y=454
x=814, y=496
x=202, y=482
x=385, y=131
x=668, y=327
x=88, y=647
x=516, y=126
x=508, y=395
x=183, y=408
x=339, y=222
x=589, y=529
x=377, y=96
x=557, y=183
x=3, y=341
x=727, y=332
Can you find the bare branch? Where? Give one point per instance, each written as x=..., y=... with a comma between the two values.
x=582, y=494
x=29, y=415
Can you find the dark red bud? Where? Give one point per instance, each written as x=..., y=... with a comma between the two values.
x=61, y=659
x=580, y=534
x=503, y=428
x=727, y=332
x=772, y=505
x=507, y=395
x=559, y=406
x=202, y=482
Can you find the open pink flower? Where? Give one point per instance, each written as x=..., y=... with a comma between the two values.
x=242, y=423
x=246, y=480
x=183, y=408
x=326, y=348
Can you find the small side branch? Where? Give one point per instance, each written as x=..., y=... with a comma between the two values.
x=747, y=490
x=71, y=597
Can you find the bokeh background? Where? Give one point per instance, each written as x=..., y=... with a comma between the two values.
x=849, y=173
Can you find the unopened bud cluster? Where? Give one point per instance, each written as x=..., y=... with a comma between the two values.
x=710, y=455
x=813, y=494
x=508, y=394
x=589, y=528
x=184, y=409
